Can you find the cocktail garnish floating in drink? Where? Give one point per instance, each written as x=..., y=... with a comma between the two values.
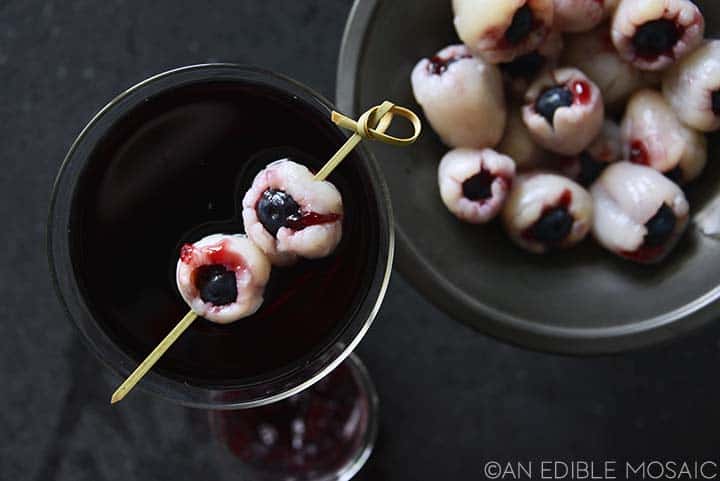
x=288, y=214
x=222, y=277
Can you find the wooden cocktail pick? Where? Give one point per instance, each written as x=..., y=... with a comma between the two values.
x=380, y=117
x=371, y=125
x=153, y=357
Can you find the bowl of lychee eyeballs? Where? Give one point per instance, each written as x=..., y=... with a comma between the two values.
x=573, y=150
x=562, y=169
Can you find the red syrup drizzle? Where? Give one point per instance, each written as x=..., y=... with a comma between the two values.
x=582, y=92
x=301, y=220
x=563, y=202
x=218, y=254
x=644, y=253
x=439, y=65
x=565, y=199
x=639, y=153
x=309, y=219
x=186, y=253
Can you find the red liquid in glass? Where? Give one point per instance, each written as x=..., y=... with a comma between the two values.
x=173, y=170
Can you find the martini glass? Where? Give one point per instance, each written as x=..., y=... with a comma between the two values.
x=165, y=163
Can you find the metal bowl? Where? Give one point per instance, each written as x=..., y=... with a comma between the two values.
x=582, y=301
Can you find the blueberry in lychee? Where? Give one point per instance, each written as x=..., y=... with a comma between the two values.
x=521, y=25
x=277, y=209
x=551, y=100
x=655, y=38
x=553, y=227
x=216, y=284
x=660, y=227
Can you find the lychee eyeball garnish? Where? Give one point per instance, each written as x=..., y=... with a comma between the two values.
x=653, y=135
x=222, y=277
x=290, y=215
x=459, y=94
x=500, y=30
x=475, y=183
x=692, y=86
x=639, y=214
x=546, y=211
x=564, y=111
x=653, y=34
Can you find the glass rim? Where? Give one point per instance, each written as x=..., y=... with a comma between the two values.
x=364, y=380
x=110, y=353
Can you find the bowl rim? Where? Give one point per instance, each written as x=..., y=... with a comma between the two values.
x=491, y=321
x=112, y=355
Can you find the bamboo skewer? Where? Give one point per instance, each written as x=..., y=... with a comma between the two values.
x=153, y=357
x=371, y=125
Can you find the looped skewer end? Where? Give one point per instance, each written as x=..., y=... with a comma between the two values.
x=372, y=126
x=373, y=123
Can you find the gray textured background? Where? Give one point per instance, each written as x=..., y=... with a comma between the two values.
x=451, y=398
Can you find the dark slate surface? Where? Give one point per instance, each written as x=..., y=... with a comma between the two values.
x=451, y=398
